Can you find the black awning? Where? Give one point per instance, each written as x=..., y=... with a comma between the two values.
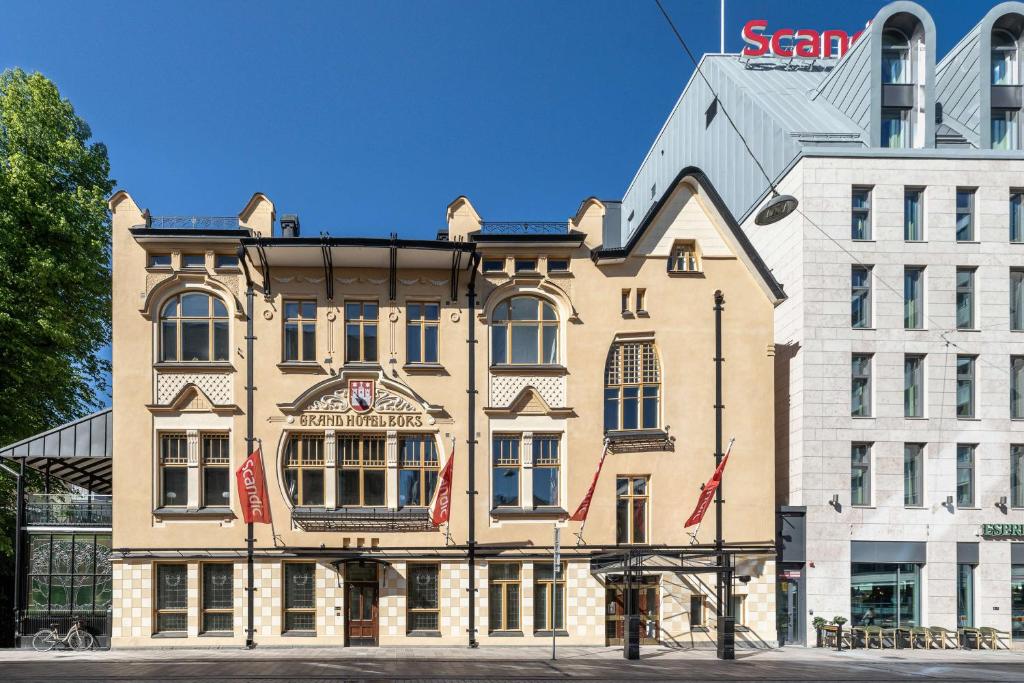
x=80, y=452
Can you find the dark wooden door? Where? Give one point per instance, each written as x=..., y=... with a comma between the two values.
x=362, y=621
x=645, y=596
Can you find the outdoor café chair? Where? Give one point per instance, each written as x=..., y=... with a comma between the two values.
x=994, y=637
x=922, y=633
x=965, y=634
x=943, y=637
x=874, y=633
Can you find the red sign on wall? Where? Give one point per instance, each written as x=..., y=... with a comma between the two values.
x=252, y=489
x=787, y=42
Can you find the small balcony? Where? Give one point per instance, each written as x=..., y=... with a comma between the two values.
x=362, y=519
x=523, y=228
x=68, y=510
x=191, y=222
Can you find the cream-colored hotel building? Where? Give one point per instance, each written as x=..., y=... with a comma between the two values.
x=522, y=348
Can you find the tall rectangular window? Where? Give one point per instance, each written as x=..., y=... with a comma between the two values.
x=965, y=475
x=860, y=215
x=548, y=597
x=1016, y=216
x=421, y=328
x=860, y=296
x=216, y=471
x=697, y=610
x=546, y=463
x=1017, y=299
x=913, y=475
x=631, y=509
x=218, y=599
x=505, y=460
x=860, y=385
x=362, y=470
x=503, y=596
x=965, y=595
x=1017, y=387
x=632, y=387
x=913, y=214
x=417, y=469
x=913, y=386
x=173, y=470
x=965, y=386
x=913, y=298
x=1017, y=475
x=422, y=612
x=299, y=597
x=304, y=469
x=965, y=299
x=300, y=331
x=860, y=474
x=1004, y=129
x=895, y=128
x=361, y=331
x=69, y=572
x=171, y=598
x=964, y=215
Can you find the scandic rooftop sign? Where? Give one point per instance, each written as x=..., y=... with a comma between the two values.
x=787, y=42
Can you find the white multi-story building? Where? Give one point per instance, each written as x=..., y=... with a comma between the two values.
x=900, y=367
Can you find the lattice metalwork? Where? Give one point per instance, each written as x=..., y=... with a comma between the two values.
x=523, y=228
x=633, y=363
x=193, y=222
x=349, y=519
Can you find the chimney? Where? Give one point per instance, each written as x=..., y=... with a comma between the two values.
x=611, y=231
x=289, y=225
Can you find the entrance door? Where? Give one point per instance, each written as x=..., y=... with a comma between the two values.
x=789, y=611
x=645, y=595
x=361, y=603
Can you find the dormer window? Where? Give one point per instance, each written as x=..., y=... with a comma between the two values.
x=895, y=58
x=1004, y=129
x=684, y=258
x=1005, y=69
x=895, y=128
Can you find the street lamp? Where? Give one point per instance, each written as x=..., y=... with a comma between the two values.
x=777, y=208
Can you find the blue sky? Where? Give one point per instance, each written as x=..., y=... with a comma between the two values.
x=369, y=117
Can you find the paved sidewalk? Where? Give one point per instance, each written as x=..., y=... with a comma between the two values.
x=507, y=664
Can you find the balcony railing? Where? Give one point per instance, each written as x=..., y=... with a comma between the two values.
x=67, y=509
x=193, y=222
x=361, y=519
x=523, y=228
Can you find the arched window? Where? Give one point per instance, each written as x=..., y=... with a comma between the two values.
x=632, y=387
x=524, y=331
x=193, y=327
x=895, y=57
x=1004, y=58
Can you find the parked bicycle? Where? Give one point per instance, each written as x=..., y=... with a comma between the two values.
x=77, y=638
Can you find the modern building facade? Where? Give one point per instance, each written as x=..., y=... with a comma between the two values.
x=362, y=365
x=899, y=362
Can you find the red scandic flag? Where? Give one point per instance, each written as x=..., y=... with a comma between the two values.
x=584, y=509
x=441, y=507
x=252, y=489
x=708, y=492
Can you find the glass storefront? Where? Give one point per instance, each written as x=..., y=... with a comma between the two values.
x=964, y=595
x=788, y=609
x=886, y=595
x=1017, y=601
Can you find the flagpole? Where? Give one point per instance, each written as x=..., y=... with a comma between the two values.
x=250, y=587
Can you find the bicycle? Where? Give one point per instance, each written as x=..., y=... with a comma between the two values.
x=77, y=638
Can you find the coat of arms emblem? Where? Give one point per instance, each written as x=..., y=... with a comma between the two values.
x=361, y=394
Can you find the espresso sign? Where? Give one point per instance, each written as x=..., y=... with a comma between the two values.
x=1002, y=530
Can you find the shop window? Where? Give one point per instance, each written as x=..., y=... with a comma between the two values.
x=964, y=215
x=860, y=297
x=193, y=261
x=299, y=597
x=860, y=474
x=965, y=299
x=193, y=327
x=417, y=469
x=632, y=387
x=300, y=331
x=361, y=471
x=546, y=465
x=423, y=604
x=965, y=475
x=216, y=471
x=1017, y=601
x=304, y=469
x=1017, y=299
x=913, y=475
x=886, y=595
x=505, y=459
x=965, y=386
x=860, y=219
x=913, y=214
x=631, y=498
x=913, y=386
x=503, y=596
x=173, y=470
x=548, y=597
x=913, y=298
x=860, y=385
x=524, y=331
x=684, y=257
x=218, y=599
x=171, y=598
x=965, y=595
x=159, y=261
x=68, y=573
x=421, y=330
x=361, y=331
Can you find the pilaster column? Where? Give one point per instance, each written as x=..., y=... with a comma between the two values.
x=192, y=449
x=391, y=473
x=330, y=470
x=526, y=458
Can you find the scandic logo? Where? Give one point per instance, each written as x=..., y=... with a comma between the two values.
x=804, y=42
x=252, y=489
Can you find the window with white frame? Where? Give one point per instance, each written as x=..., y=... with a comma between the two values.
x=860, y=474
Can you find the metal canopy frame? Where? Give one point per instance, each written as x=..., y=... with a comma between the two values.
x=78, y=453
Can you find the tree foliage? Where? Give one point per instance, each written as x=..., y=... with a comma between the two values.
x=54, y=258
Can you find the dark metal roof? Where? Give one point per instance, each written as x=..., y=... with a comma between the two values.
x=80, y=452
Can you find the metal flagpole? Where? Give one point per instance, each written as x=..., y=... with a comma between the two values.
x=250, y=587
x=726, y=646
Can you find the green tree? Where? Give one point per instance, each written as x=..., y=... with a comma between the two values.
x=54, y=274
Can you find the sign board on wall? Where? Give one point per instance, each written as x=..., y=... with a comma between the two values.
x=1002, y=530
x=787, y=42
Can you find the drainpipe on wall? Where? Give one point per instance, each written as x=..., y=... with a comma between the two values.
x=471, y=443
